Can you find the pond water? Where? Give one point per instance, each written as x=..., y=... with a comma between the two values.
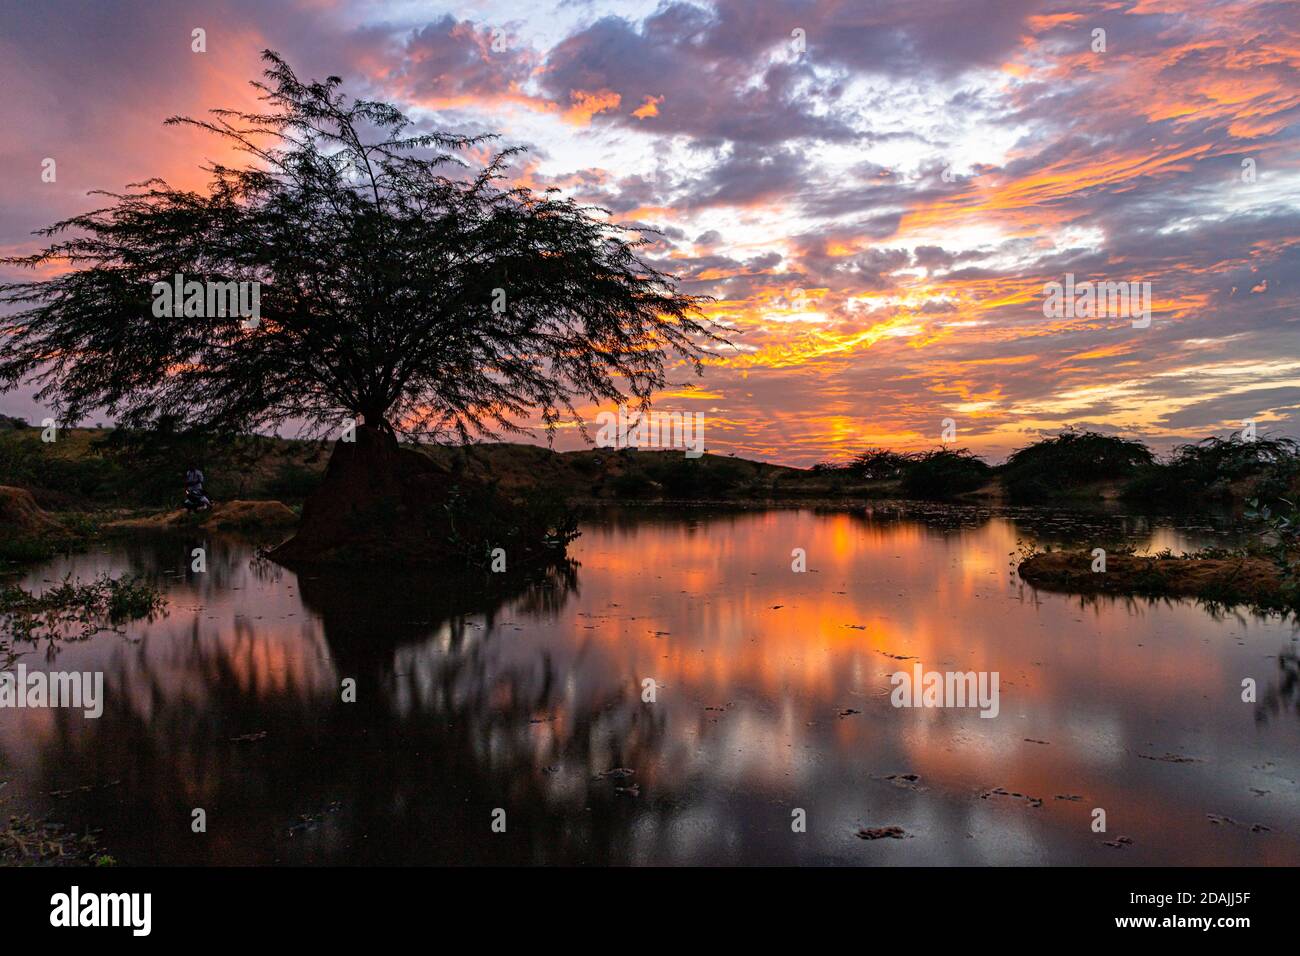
x=772, y=695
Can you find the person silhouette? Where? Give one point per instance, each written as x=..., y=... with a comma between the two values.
x=195, y=498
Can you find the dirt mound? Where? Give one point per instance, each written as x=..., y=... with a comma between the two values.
x=226, y=515
x=20, y=516
x=1231, y=580
x=251, y=514
x=372, y=505
x=384, y=504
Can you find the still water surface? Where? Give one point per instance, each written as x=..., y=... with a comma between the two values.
x=773, y=694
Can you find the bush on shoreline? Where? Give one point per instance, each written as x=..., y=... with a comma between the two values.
x=1073, y=458
x=880, y=464
x=1073, y=463
x=944, y=472
x=1216, y=469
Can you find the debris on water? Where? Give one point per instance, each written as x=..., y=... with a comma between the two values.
x=905, y=781
x=312, y=821
x=1031, y=740
x=616, y=773
x=87, y=788
x=1068, y=796
x=248, y=738
x=849, y=712
x=899, y=657
x=1119, y=842
x=632, y=790
x=1000, y=792
x=882, y=833
x=1170, y=758
x=857, y=627
x=1219, y=819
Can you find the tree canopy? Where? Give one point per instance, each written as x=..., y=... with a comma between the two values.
x=397, y=282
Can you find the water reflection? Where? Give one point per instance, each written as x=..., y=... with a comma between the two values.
x=771, y=693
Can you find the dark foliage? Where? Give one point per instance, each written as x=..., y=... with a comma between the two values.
x=1072, y=458
x=293, y=482
x=1206, y=471
x=149, y=465
x=878, y=464
x=943, y=473
x=632, y=484
x=55, y=480
x=690, y=478
x=379, y=255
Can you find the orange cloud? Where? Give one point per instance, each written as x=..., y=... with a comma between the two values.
x=649, y=108
x=586, y=105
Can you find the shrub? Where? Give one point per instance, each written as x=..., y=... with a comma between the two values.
x=876, y=464
x=294, y=482
x=152, y=462
x=1072, y=458
x=1207, y=469
x=683, y=477
x=631, y=484
x=28, y=462
x=478, y=519
x=943, y=473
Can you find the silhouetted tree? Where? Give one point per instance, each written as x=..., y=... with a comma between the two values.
x=397, y=284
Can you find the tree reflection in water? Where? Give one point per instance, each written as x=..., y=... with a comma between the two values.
x=441, y=734
x=523, y=692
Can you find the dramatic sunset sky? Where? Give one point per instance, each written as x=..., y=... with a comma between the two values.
x=871, y=296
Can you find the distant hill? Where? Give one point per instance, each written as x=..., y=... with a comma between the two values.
x=627, y=473
x=95, y=467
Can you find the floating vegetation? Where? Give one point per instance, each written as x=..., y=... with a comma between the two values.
x=31, y=842
x=73, y=611
x=882, y=833
x=1213, y=576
